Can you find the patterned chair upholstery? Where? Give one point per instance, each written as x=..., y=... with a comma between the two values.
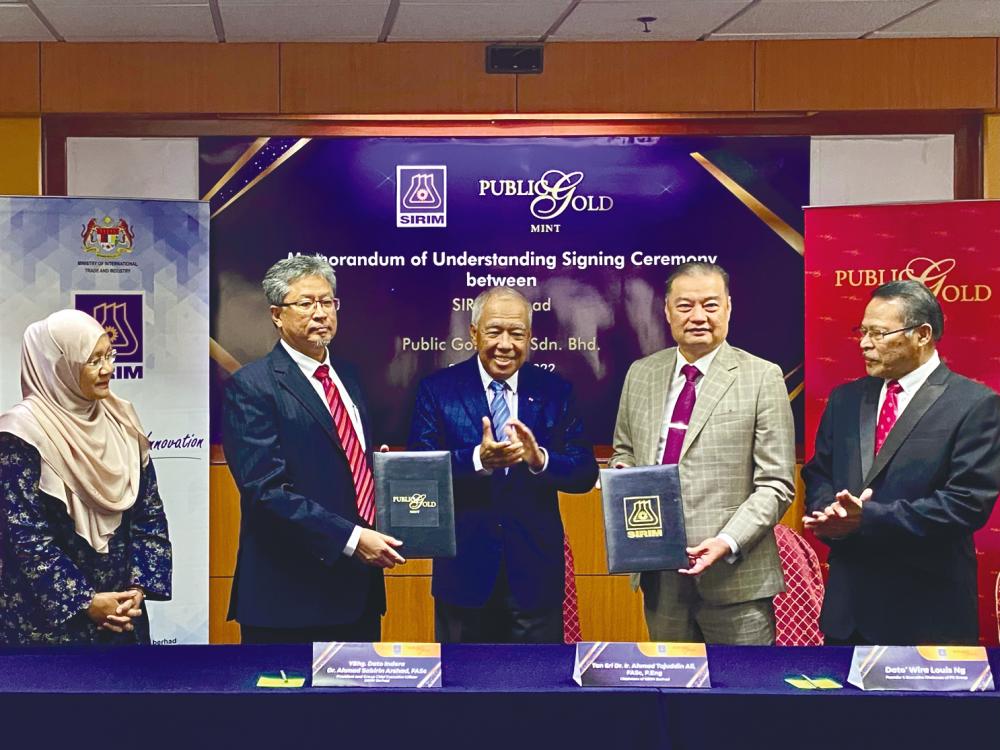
x=797, y=609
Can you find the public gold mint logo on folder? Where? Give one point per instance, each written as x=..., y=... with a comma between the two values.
x=415, y=502
x=642, y=517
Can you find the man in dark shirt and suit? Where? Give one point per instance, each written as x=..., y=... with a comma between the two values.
x=298, y=443
x=515, y=441
x=906, y=468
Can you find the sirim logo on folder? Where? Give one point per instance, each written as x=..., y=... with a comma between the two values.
x=642, y=517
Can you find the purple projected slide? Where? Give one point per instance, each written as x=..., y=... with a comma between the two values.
x=588, y=228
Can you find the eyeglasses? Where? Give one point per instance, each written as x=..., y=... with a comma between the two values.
x=306, y=306
x=875, y=335
x=107, y=359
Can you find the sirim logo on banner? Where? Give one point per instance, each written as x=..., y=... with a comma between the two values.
x=421, y=196
x=120, y=313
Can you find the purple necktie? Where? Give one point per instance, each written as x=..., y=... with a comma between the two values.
x=681, y=415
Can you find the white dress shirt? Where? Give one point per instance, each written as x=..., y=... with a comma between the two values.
x=910, y=384
x=308, y=366
x=676, y=386
x=510, y=396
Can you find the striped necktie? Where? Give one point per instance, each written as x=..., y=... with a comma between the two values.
x=499, y=411
x=364, y=484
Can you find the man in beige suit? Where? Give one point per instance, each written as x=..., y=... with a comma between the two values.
x=723, y=415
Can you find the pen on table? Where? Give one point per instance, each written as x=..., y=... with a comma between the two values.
x=284, y=677
x=801, y=675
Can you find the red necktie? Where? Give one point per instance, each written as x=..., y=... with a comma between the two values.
x=887, y=415
x=364, y=485
x=681, y=415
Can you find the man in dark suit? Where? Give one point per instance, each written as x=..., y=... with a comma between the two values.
x=906, y=468
x=515, y=441
x=298, y=444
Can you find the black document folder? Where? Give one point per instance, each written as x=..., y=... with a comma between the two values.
x=414, y=502
x=643, y=519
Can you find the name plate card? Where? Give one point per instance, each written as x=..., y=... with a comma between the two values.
x=921, y=668
x=376, y=665
x=644, y=664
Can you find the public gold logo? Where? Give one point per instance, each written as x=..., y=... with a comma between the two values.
x=642, y=517
x=932, y=273
x=415, y=502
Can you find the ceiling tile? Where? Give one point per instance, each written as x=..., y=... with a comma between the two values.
x=120, y=20
x=815, y=19
x=105, y=5
x=19, y=24
x=510, y=21
x=303, y=20
x=950, y=18
x=600, y=20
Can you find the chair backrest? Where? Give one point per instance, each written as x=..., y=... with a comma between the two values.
x=571, y=606
x=797, y=609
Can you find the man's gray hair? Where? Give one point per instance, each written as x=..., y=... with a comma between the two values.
x=498, y=291
x=919, y=304
x=697, y=268
x=284, y=273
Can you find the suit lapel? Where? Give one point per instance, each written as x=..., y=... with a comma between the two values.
x=354, y=391
x=867, y=418
x=290, y=377
x=471, y=391
x=659, y=390
x=922, y=400
x=721, y=375
x=529, y=397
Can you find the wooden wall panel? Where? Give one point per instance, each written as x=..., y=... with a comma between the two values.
x=409, y=610
x=164, y=77
x=19, y=87
x=876, y=74
x=412, y=567
x=219, y=630
x=223, y=521
x=649, y=77
x=21, y=156
x=610, y=610
x=793, y=516
x=583, y=519
x=991, y=156
x=391, y=78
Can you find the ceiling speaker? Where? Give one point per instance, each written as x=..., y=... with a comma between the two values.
x=514, y=58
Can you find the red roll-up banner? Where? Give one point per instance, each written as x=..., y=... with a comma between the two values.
x=954, y=248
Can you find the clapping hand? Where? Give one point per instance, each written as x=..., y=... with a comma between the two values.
x=532, y=454
x=839, y=518
x=500, y=455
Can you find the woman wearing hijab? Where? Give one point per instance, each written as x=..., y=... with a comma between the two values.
x=83, y=536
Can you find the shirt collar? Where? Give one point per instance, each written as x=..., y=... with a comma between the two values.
x=305, y=363
x=912, y=380
x=702, y=364
x=487, y=378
